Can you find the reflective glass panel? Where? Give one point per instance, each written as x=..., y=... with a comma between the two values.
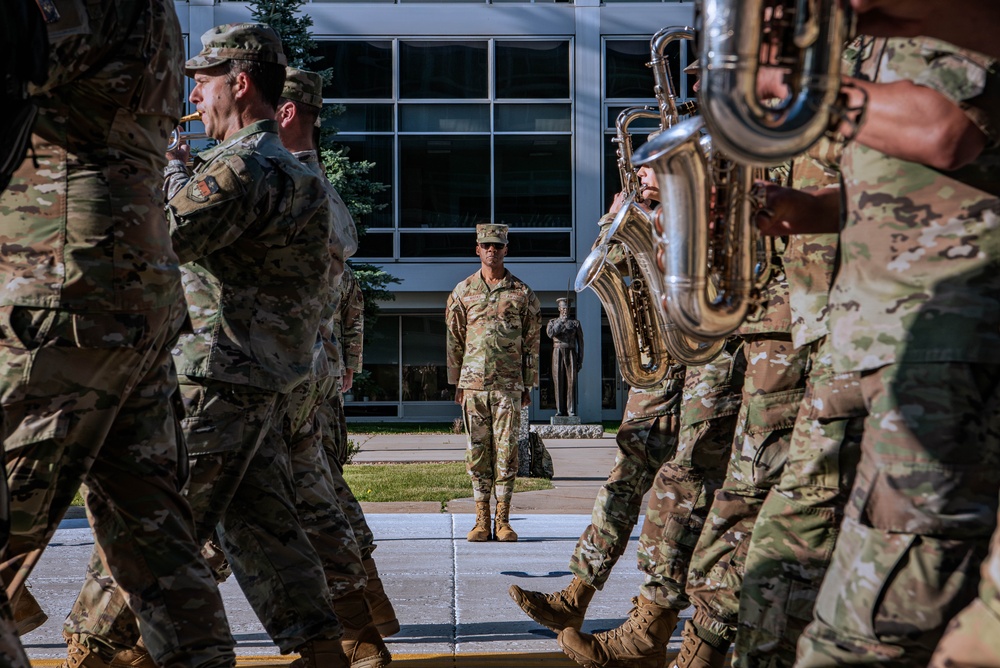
x=376, y=149
x=436, y=70
x=444, y=181
x=532, y=69
x=360, y=117
x=381, y=362
x=533, y=118
x=444, y=117
x=376, y=245
x=534, y=181
x=361, y=69
x=425, y=371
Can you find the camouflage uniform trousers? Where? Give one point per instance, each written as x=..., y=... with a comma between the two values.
x=240, y=485
x=87, y=398
x=918, y=520
x=492, y=420
x=647, y=436
x=333, y=430
x=772, y=391
x=316, y=497
x=972, y=639
x=684, y=487
x=797, y=526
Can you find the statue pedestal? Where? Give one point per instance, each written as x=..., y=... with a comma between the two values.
x=575, y=430
x=564, y=419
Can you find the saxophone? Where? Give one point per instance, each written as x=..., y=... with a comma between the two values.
x=804, y=38
x=621, y=268
x=707, y=245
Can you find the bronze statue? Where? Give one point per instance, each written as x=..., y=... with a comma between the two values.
x=567, y=357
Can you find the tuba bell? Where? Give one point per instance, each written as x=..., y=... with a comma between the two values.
x=805, y=38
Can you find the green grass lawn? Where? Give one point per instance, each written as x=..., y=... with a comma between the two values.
x=420, y=482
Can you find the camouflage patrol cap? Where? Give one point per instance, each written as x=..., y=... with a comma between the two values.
x=562, y=301
x=237, y=41
x=491, y=233
x=303, y=86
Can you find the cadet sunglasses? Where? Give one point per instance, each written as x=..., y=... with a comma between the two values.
x=491, y=244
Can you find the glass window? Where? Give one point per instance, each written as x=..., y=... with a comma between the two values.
x=381, y=362
x=360, y=117
x=533, y=181
x=535, y=69
x=533, y=118
x=625, y=71
x=425, y=370
x=436, y=70
x=361, y=69
x=444, y=118
x=376, y=149
x=444, y=181
x=375, y=245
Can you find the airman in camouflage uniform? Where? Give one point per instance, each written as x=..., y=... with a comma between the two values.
x=253, y=229
x=914, y=310
x=797, y=525
x=91, y=306
x=646, y=438
x=493, y=323
x=316, y=478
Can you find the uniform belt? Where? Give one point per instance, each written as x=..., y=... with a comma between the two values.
x=556, y=344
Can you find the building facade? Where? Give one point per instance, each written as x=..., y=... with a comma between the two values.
x=473, y=111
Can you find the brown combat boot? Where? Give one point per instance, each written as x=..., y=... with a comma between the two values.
x=137, y=657
x=383, y=615
x=502, y=528
x=559, y=610
x=640, y=642
x=79, y=655
x=321, y=654
x=695, y=652
x=362, y=643
x=481, y=532
x=28, y=615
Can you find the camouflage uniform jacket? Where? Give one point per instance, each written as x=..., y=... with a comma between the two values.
x=98, y=243
x=252, y=227
x=344, y=243
x=810, y=259
x=493, y=336
x=348, y=325
x=920, y=250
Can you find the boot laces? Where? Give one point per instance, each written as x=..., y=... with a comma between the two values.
x=634, y=621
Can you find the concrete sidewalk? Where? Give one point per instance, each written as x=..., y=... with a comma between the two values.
x=450, y=595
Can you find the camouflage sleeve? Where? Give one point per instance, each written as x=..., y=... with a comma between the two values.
x=531, y=328
x=353, y=323
x=213, y=210
x=968, y=79
x=175, y=177
x=455, y=327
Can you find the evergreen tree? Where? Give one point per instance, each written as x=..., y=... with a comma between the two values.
x=350, y=178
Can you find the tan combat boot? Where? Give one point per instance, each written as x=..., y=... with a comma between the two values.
x=79, y=655
x=640, y=642
x=481, y=532
x=137, y=657
x=559, y=610
x=502, y=528
x=362, y=643
x=383, y=615
x=28, y=615
x=696, y=652
x=321, y=654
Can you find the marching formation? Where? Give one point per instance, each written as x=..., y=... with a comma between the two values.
x=802, y=274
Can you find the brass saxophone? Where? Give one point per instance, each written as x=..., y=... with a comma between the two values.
x=707, y=246
x=804, y=38
x=621, y=269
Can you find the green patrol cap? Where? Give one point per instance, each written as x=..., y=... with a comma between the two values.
x=237, y=41
x=303, y=86
x=491, y=233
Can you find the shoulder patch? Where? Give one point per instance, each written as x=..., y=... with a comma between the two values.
x=201, y=189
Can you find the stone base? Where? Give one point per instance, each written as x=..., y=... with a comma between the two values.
x=568, y=430
x=564, y=419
